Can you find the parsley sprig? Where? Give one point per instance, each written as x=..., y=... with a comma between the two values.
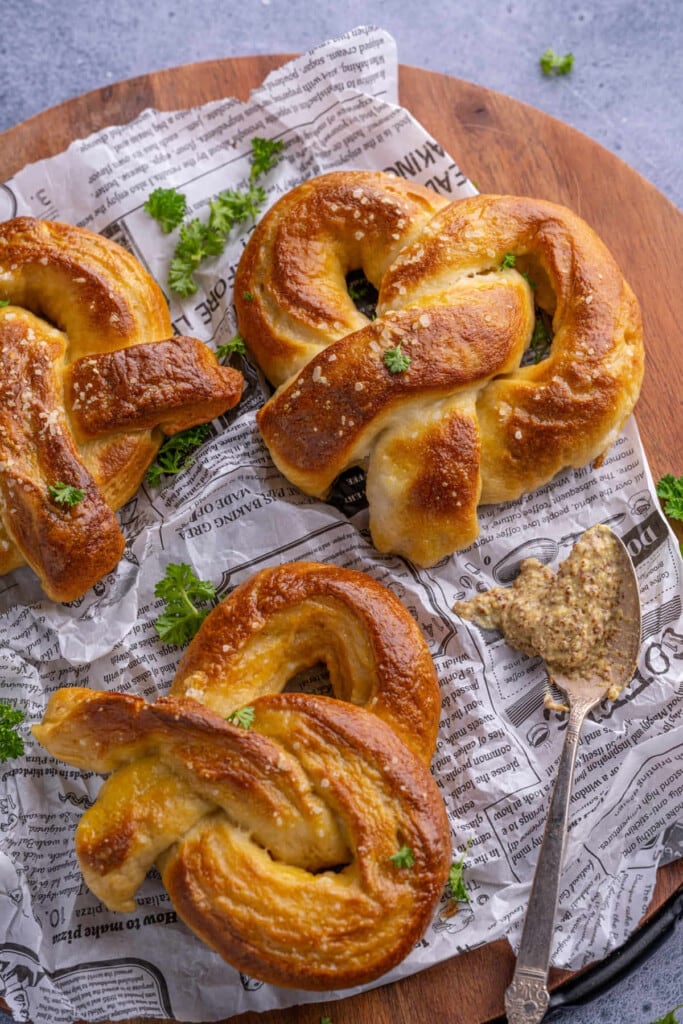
x=11, y=743
x=264, y=156
x=236, y=344
x=552, y=64
x=167, y=206
x=395, y=360
x=455, y=881
x=177, y=453
x=200, y=240
x=670, y=1017
x=184, y=594
x=65, y=494
x=670, y=491
x=508, y=260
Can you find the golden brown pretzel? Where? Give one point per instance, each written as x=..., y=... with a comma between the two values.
x=274, y=843
x=290, y=617
x=290, y=291
x=464, y=423
x=89, y=377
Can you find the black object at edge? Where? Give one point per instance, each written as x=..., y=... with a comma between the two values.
x=597, y=980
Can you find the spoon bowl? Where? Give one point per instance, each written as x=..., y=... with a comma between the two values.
x=527, y=997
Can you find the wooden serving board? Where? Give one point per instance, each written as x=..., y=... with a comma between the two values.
x=504, y=146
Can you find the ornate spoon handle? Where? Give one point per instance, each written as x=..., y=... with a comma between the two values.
x=526, y=999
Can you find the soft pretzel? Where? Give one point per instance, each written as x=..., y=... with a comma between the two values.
x=90, y=376
x=283, y=845
x=464, y=423
x=287, y=618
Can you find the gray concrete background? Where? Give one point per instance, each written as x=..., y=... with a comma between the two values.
x=625, y=91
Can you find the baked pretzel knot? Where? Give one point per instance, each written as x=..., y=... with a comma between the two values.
x=459, y=422
x=90, y=376
x=283, y=845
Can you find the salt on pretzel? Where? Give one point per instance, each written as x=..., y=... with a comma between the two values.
x=290, y=289
x=278, y=844
x=290, y=617
x=464, y=424
x=90, y=376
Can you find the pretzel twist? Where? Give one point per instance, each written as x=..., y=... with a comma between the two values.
x=274, y=843
x=465, y=423
x=85, y=402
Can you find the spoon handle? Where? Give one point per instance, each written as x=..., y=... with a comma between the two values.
x=526, y=999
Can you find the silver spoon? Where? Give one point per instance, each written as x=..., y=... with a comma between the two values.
x=527, y=997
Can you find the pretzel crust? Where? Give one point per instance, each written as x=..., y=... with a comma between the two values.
x=90, y=376
x=290, y=292
x=290, y=617
x=465, y=423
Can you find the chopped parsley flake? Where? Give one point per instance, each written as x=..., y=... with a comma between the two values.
x=404, y=858
x=65, y=494
x=243, y=717
x=395, y=360
x=552, y=64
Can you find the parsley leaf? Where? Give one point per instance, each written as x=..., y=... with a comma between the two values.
x=236, y=344
x=455, y=882
x=404, y=858
x=243, y=717
x=65, y=494
x=167, y=206
x=552, y=64
x=509, y=260
x=11, y=743
x=325, y=1020
x=263, y=156
x=395, y=360
x=232, y=207
x=183, y=592
x=4, y=302
x=198, y=241
x=669, y=1018
x=177, y=453
x=670, y=490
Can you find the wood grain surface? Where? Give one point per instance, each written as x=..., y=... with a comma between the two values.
x=504, y=146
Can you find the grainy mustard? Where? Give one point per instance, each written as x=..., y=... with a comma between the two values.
x=567, y=618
